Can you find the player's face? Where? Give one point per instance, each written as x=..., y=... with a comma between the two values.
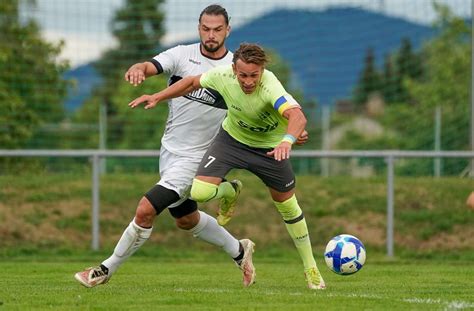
x=248, y=75
x=213, y=30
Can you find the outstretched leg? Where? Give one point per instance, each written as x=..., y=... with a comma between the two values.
x=296, y=225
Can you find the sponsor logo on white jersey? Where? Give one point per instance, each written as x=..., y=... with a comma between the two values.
x=194, y=61
x=202, y=96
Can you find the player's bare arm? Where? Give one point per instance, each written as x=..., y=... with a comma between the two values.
x=296, y=121
x=302, y=139
x=137, y=73
x=180, y=88
x=296, y=124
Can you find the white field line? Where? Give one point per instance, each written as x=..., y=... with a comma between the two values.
x=448, y=305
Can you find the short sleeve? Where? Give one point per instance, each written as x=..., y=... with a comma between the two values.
x=167, y=61
x=285, y=102
x=277, y=95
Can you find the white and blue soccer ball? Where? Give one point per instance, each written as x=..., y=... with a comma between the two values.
x=345, y=254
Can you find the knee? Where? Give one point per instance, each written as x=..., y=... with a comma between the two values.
x=188, y=222
x=202, y=191
x=289, y=209
x=145, y=214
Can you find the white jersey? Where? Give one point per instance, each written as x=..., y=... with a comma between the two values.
x=193, y=120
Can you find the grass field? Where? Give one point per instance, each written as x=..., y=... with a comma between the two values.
x=45, y=236
x=212, y=282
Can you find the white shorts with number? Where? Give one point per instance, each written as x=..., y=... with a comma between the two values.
x=177, y=173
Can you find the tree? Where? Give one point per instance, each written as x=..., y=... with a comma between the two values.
x=402, y=64
x=369, y=81
x=32, y=89
x=445, y=83
x=390, y=83
x=408, y=65
x=409, y=62
x=138, y=29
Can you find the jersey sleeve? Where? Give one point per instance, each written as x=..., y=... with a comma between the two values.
x=210, y=78
x=167, y=61
x=285, y=102
x=277, y=95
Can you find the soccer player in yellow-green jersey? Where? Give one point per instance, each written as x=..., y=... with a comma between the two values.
x=262, y=123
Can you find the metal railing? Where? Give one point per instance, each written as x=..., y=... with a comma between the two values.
x=388, y=155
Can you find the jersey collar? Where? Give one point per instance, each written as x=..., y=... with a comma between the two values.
x=217, y=58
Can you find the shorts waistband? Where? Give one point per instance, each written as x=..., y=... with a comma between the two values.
x=226, y=136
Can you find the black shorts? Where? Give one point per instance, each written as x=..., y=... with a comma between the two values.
x=226, y=153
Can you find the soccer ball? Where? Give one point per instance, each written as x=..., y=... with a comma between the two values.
x=345, y=254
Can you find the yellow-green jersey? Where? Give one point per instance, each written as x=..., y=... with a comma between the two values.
x=253, y=119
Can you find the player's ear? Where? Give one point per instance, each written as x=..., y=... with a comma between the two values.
x=228, y=32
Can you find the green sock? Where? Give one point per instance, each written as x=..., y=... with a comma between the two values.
x=296, y=226
x=299, y=233
x=202, y=191
x=225, y=190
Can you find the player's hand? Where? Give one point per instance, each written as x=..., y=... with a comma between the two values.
x=303, y=138
x=281, y=152
x=135, y=76
x=150, y=101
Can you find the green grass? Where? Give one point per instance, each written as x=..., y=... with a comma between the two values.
x=431, y=218
x=212, y=282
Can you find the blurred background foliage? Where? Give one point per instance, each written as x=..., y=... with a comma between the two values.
x=393, y=105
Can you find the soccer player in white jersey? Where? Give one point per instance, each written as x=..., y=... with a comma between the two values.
x=262, y=123
x=193, y=122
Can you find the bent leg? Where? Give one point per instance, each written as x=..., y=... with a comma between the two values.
x=140, y=228
x=204, y=227
x=206, y=188
x=207, y=229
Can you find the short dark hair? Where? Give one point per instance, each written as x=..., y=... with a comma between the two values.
x=250, y=53
x=215, y=9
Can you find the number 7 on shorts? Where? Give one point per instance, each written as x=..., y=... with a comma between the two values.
x=211, y=159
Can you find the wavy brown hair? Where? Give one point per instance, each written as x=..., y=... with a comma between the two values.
x=250, y=53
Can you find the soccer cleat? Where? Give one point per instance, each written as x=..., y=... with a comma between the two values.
x=92, y=276
x=314, y=279
x=246, y=264
x=227, y=206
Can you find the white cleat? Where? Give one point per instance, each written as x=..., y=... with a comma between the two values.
x=92, y=276
x=246, y=265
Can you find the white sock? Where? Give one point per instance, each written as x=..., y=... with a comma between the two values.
x=208, y=230
x=132, y=238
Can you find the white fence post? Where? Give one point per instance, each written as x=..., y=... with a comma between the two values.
x=95, y=200
x=390, y=205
